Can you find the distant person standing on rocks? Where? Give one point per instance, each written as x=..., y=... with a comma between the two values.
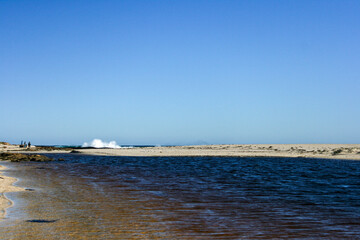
x=29, y=144
x=25, y=144
x=21, y=144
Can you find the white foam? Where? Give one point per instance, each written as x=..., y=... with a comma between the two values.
x=98, y=143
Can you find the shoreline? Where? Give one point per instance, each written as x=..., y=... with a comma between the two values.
x=323, y=151
x=6, y=185
x=60, y=199
x=317, y=151
x=320, y=151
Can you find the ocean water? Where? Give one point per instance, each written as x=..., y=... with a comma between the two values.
x=98, y=197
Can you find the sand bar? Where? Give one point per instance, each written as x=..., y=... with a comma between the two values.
x=329, y=151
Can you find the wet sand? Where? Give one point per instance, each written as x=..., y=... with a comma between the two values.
x=6, y=186
x=66, y=207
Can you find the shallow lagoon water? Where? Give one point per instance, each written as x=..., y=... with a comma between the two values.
x=93, y=197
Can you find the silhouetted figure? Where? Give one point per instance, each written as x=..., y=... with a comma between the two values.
x=29, y=144
x=21, y=144
x=25, y=144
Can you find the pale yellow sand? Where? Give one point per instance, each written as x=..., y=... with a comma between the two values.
x=335, y=151
x=6, y=185
x=17, y=149
x=11, y=148
x=332, y=151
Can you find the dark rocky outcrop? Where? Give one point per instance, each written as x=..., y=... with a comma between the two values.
x=336, y=151
x=75, y=151
x=19, y=157
x=47, y=148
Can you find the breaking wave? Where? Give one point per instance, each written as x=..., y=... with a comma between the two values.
x=98, y=143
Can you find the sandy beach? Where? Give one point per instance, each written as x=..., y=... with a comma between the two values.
x=328, y=151
x=6, y=185
x=331, y=151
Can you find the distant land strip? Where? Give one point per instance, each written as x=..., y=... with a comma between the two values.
x=329, y=151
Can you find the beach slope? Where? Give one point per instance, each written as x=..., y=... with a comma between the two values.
x=6, y=185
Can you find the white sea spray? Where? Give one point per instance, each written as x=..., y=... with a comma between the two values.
x=98, y=143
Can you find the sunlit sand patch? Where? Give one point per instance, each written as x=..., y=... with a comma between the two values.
x=6, y=185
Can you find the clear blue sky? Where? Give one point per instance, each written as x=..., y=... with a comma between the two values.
x=179, y=72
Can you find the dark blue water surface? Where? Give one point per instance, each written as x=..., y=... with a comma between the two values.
x=227, y=197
